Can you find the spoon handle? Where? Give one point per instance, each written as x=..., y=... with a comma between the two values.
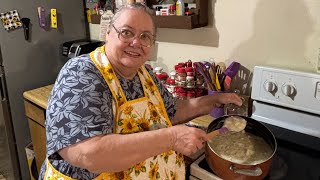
x=212, y=134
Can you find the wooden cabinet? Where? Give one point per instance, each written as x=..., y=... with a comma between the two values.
x=35, y=103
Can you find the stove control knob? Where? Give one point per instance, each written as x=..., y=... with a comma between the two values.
x=289, y=90
x=270, y=87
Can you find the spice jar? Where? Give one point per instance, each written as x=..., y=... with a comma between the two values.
x=182, y=64
x=176, y=67
x=191, y=94
x=171, y=86
x=181, y=74
x=181, y=93
x=158, y=70
x=172, y=10
x=171, y=83
x=190, y=71
x=189, y=63
x=162, y=76
x=190, y=82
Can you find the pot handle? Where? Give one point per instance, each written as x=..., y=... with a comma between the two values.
x=255, y=171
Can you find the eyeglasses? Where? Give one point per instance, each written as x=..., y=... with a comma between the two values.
x=125, y=35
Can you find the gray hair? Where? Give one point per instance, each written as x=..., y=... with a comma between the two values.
x=135, y=6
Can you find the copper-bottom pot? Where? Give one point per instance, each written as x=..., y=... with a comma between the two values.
x=233, y=171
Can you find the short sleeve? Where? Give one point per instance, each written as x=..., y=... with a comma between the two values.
x=79, y=106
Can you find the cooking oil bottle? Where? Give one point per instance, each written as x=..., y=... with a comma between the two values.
x=179, y=8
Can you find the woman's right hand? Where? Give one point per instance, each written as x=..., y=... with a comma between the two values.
x=187, y=140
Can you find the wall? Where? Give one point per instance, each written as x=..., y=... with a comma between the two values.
x=282, y=33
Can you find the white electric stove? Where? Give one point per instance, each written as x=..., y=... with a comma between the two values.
x=288, y=103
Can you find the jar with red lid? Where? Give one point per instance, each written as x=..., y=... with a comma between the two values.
x=181, y=74
x=176, y=67
x=171, y=86
x=183, y=96
x=181, y=93
x=190, y=71
x=162, y=76
x=172, y=10
x=190, y=82
x=189, y=63
x=182, y=64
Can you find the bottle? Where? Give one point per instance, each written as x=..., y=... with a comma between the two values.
x=162, y=76
x=180, y=8
x=172, y=10
x=181, y=77
x=190, y=83
x=158, y=10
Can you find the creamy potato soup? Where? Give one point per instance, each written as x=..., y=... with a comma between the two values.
x=241, y=147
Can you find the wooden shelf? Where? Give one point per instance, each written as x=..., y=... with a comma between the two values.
x=178, y=22
x=199, y=19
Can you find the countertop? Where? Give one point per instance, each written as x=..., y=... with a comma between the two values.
x=39, y=96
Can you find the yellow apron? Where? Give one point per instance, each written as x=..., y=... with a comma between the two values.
x=133, y=116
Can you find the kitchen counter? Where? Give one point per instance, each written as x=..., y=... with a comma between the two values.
x=39, y=96
x=35, y=103
x=202, y=121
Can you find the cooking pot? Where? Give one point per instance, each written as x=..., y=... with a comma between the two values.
x=230, y=170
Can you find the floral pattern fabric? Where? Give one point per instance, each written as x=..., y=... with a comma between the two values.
x=79, y=108
x=140, y=115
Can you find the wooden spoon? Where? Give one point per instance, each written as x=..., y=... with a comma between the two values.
x=216, y=132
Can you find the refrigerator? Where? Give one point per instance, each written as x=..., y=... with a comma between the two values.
x=29, y=64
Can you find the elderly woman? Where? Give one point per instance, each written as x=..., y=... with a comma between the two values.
x=108, y=117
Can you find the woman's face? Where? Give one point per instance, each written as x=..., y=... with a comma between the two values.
x=129, y=55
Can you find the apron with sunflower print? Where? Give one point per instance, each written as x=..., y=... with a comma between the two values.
x=134, y=116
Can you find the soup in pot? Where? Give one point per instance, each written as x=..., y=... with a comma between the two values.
x=241, y=147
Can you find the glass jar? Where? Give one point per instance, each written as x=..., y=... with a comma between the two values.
x=172, y=10
x=190, y=82
x=181, y=74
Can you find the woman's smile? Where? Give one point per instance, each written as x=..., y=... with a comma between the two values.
x=132, y=54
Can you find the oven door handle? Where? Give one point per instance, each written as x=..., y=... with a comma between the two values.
x=254, y=171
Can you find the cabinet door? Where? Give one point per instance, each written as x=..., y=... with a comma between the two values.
x=38, y=137
x=35, y=112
